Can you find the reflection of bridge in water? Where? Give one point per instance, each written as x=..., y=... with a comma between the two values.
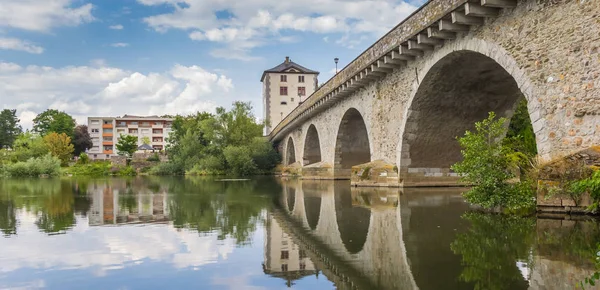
x=380, y=238
x=353, y=235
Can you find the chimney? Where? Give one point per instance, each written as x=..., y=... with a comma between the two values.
x=287, y=59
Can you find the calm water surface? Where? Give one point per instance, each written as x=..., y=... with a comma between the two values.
x=268, y=233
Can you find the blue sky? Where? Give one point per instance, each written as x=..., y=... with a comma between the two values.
x=115, y=57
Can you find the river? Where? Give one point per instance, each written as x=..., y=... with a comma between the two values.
x=273, y=233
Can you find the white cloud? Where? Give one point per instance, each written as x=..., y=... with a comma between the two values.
x=21, y=45
x=42, y=15
x=261, y=22
x=116, y=27
x=101, y=249
x=106, y=91
x=119, y=44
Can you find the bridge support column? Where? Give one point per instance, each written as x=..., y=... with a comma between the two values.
x=377, y=173
x=319, y=170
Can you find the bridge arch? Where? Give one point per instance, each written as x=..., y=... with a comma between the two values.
x=312, y=146
x=353, y=221
x=457, y=88
x=290, y=152
x=352, y=145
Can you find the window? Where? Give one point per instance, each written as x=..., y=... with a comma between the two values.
x=95, y=156
x=107, y=139
x=292, y=99
x=95, y=122
x=133, y=131
x=302, y=266
x=107, y=130
x=284, y=268
x=120, y=130
x=145, y=131
x=145, y=123
x=108, y=148
x=107, y=156
x=283, y=78
x=300, y=79
x=95, y=148
x=283, y=91
x=301, y=91
x=121, y=124
x=95, y=130
x=107, y=122
x=285, y=255
x=157, y=123
x=133, y=123
x=283, y=102
x=302, y=254
x=95, y=140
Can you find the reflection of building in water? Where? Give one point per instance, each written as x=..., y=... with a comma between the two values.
x=283, y=258
x=121, y=204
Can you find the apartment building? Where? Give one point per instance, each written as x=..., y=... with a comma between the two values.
x=284, y=88
x=105, y=133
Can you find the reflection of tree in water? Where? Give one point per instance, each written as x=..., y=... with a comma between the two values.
x=491, y=248
x=232, y=209
x=8, y=219
x=53, y=200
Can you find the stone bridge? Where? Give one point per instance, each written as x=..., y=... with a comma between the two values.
x=399, y=106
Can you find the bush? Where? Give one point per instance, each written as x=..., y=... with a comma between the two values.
x=167, y=168
x=153, y=158
x=100, y=168
x=592, y=186
x=47, y=165
x=240, y=160
x=83, y=159
x=487, y=166
x=126, y=171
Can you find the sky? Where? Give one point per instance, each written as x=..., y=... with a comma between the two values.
x=155, y=57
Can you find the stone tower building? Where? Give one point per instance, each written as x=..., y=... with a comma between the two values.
x=285, y=87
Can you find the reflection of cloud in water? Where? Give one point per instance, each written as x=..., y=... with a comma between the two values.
x=106, y=248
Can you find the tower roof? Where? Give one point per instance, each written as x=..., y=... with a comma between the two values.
x=288, y=66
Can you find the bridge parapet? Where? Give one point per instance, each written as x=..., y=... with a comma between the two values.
x=428, y=27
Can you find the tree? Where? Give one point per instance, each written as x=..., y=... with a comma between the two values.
x=81, y=140
x=127, y=145
x=28, y=145
x=486, y=165
x=146, y=140
x=53, y=121
x=60, y=146
x=9, y=128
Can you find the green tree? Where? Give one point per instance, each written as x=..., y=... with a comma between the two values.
x=81, y=140
x=127, y=145
x=146, y=140
x=9, y=128
x=59, y=146
x=486, y=165
x=54, y=121
x=520, y=136
x=28, y=145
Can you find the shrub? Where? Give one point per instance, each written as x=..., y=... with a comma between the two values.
x=83, y=159
x=100, y=168
x=126, y=171
x=239, y=160
x=33, y=167
x=487, y=166
x=153, y=158
x=167, y=168
x=590, y=185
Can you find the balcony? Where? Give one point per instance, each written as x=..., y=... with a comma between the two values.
x=107, y=143
x=107, y=126
x=107, y=134
x=158, y=126
x=107, y=152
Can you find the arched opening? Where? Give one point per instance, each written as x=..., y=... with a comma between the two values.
x=312, y=146
x=291, y=198
x=352, y=143
x=312, y=202
x=290, y=152
x=353, y=222
x=459, y=90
